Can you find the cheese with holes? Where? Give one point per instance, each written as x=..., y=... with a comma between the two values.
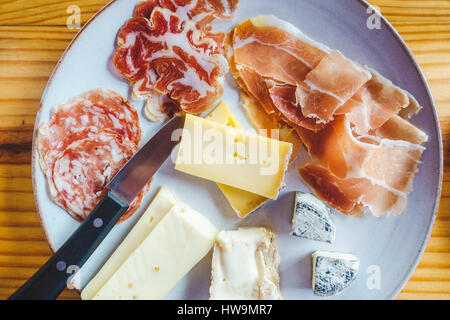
x=180, y=240
x=233, y=157
x=242, y=202
x=159, y=207
x=245, y=266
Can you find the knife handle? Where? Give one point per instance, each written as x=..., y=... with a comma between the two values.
x=51, y=279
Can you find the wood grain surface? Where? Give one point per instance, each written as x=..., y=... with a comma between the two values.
x=34, y=34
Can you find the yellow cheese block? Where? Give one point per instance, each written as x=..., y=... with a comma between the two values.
x=242, y=202
x=160, y=206
x=233, y=157
x=179, y=241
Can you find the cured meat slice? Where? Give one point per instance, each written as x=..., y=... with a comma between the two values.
x=171, y=57
x=292, y=54
x=332, y=82
x=351, y=196
x=284, y=99
x=201, y=11
x=379, y=100
x=390, y=164
x=83, y=145
x=265, y=126
x=397, y=128
x=83, y=170
x=84, y=116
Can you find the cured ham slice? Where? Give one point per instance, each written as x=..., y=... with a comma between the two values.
x=292, y=54
x=332, y=82
x=284, y=99
x=391, y=164
x=265, y=126
x=353, y=121
x=83, y=146
x=378, y=101
x=397, y=128
x=352, y=196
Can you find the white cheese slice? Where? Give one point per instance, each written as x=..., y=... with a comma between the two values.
x=333, y=272
x=245, y=266
x=173, y=248
x=160, y=206
x=312, y=219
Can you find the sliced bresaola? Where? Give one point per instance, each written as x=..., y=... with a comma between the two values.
x=168, y=57
x=390, y=164
x=352, y=196
x=82, y=171
x=331, y=84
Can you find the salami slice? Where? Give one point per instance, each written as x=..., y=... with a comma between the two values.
x=87, y=140
x=83, y=170
x=84, y=116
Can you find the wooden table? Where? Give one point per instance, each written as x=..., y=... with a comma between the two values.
x=33, y=35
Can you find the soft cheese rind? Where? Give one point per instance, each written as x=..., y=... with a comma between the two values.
x=245, y=266
x=333, y=272
x=312, y=219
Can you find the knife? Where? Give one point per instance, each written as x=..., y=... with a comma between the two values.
x=51, y=279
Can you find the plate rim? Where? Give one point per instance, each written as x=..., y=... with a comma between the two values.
x=393, y=31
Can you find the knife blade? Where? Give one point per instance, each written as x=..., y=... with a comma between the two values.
x=133, y=177
x=51, y=279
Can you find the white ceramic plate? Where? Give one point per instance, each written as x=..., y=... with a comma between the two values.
x=389, y=247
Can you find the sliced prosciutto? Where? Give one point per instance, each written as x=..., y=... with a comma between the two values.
x=352, y=196
x=170, y=56
x=284, y=99
x=391, y=164
x=378, y=101
x=353, y=121
x=331, y=84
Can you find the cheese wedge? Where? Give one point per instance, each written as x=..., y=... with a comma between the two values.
x=159, y=207
x=181, y=239
x=245, y=266
x=233, y=157
x=242, y=202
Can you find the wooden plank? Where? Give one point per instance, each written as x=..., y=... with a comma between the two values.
x=33, y=35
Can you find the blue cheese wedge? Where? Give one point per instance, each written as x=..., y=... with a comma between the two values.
x=312, y=219
x=245, y=266
x=333, y=272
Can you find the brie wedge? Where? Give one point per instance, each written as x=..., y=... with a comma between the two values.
x=245, y=266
